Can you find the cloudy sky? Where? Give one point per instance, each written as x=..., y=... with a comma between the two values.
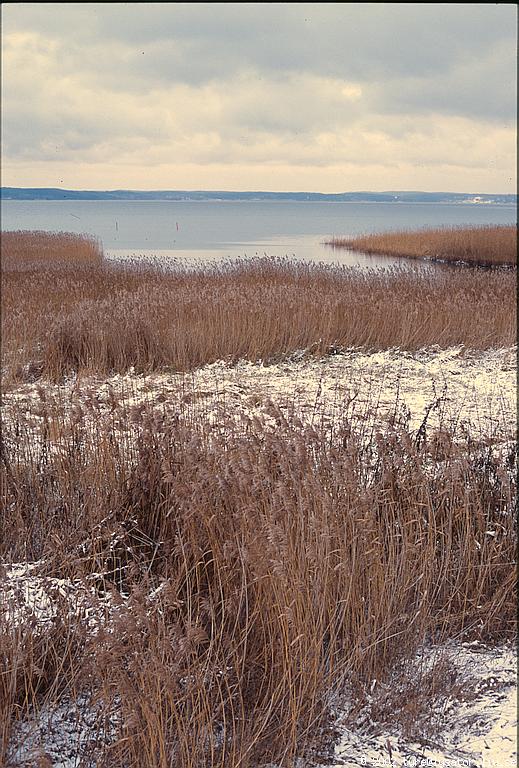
x=325, y=97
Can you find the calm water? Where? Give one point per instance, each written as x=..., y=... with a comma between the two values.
x=216, y=230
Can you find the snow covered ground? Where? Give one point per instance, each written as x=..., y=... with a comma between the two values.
x=479, y=731
x=471, y=392
x=64, y=736
x=28, y=597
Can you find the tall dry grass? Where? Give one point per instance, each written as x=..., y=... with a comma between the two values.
x=485, y=246
x=240, y=574
x=254, y=573
x=22, y=248
x=85, y=315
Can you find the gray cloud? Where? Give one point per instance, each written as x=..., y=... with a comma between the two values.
x=196, y=43
x=166, y=84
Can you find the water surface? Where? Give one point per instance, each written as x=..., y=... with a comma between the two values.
x=215, y=230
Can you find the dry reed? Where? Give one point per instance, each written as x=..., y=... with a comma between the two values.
x=240, y=575
x=483, y=246
x=23, y=248
x=256, y=571
x=84, y=315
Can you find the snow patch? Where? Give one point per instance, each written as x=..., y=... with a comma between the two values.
x=480, y=732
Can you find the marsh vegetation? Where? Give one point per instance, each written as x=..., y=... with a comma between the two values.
x=480, y=246
x=66, y=310
x=209, y=589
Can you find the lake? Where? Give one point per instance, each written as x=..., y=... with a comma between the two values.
x=214, y=230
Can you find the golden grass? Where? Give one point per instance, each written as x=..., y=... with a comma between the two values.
x=483, y=246
x=80, y=314
x=288, y=567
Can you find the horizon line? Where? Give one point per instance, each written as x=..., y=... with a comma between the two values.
x=258, y=191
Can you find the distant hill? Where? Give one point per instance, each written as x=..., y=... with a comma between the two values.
x=51, y=193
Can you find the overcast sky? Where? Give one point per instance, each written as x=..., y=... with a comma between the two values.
x=326, y=97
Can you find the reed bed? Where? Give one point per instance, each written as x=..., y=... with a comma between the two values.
x=209, y=591
x=81, y=314
x=480, y=246
x=254, y=575
x=22, y=248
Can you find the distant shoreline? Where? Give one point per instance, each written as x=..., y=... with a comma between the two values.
x=55, y=194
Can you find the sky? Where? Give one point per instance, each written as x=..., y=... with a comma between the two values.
x=322, y=97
